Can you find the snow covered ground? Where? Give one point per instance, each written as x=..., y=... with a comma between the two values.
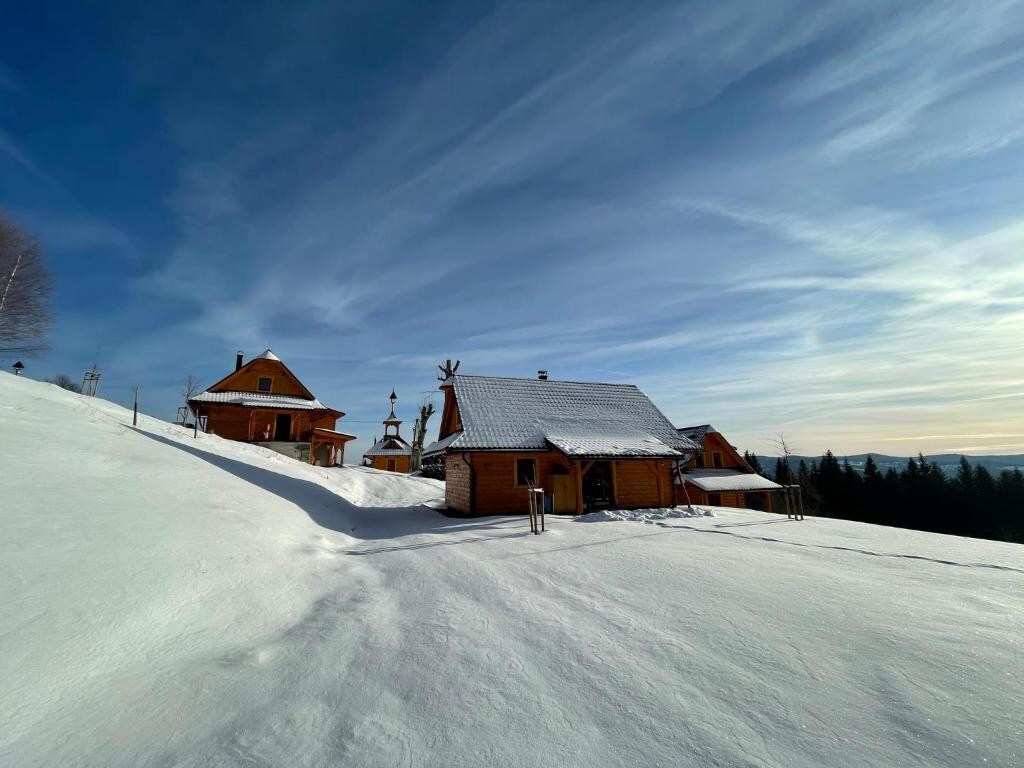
x=178, y=602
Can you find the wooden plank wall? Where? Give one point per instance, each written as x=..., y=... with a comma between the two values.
x=247, y=379
x=638, y=482
x=232, y=422
x=643, y=483
x=402, y=463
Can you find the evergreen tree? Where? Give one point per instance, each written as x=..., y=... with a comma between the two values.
x=874, y=499
x=753, y=463
x=783, y=475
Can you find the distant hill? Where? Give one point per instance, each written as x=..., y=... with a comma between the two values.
x=947, y=461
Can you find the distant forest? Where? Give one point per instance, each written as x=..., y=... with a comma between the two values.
x=970, y=502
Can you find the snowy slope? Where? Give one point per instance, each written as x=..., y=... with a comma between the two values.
x=170, y=601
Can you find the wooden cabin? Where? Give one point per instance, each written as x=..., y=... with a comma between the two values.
x=391, y=453
x=263, y=402
x=587, y=445
x=718, y=476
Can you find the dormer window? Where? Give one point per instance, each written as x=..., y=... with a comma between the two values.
x=264, y=385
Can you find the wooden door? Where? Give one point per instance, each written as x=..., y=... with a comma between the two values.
x=564, y=489
x=283, y=427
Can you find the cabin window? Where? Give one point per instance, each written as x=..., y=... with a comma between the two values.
x=264, y=384
x=698, y=460
x=526, y=472
x=717, y=459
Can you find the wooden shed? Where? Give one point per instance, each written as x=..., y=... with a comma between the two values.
x=263, y=402
x=589, y=445
x=717, y=474
x=391, y=453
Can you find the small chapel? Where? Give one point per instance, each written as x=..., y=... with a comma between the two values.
x=391, y=452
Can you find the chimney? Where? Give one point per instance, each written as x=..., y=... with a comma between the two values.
x=542, y=375
x=238, y=360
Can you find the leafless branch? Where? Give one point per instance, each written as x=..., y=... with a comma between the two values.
x=26, y=286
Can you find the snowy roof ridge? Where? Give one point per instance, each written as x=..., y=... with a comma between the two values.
x=697, y=433
x=259, y=400
x=391, y=445
x=577, y=418
x=534, y=379
x=268, y=355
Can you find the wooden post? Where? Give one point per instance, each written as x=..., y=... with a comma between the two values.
x=789, y=506
x=536, y=506
x=135, y=408
x=800, y=498
x=578, y=467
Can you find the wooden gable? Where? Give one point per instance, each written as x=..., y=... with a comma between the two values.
x=451, y=419
x=247, y=379
x=729, y=456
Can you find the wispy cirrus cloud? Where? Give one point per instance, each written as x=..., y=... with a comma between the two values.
x=790, y=216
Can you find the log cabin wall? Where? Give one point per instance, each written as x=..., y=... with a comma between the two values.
x=401, y=463
x=703, y=498
x=496, y=489
x=233, y=422
x=637, y=483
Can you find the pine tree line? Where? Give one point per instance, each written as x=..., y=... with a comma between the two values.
x=973, y=502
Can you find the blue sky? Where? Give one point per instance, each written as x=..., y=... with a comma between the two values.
x=804, y=218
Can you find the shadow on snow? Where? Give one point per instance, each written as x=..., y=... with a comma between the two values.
x=329, y=510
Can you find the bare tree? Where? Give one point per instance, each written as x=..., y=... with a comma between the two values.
x=783, y=447
x=64, y=381
x=447, y=369
x=25, y=289
x=190, y=389
x=419, y=435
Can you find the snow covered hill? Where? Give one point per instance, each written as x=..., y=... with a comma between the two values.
x=178, y=602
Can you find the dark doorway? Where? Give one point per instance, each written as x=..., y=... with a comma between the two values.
x=283, y=427
x=597, y=486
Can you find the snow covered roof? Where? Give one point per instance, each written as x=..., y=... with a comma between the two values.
x=258, y=400
x=715, y=480
x=697, y=433
x=390, y=446
x=579, y=418
x=439, y=445
x=584, y=444
x=268, y=355
x=334, y=432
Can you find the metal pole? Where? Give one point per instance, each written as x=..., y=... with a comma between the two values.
x=135, y=408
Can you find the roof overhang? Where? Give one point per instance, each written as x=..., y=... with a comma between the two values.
x=716, y=481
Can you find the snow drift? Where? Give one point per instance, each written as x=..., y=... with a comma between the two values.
x=170, y=601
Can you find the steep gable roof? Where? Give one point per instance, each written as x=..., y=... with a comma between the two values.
x=697, y=433
x=580, y=419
